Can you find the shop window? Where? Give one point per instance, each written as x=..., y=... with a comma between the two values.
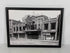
x=53, y=35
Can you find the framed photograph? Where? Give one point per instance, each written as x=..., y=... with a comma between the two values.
x=34, y=27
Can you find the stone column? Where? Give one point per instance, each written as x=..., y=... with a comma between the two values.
x=18, y=36
x=42, y=28
x=12, y=35
x=49, y=26
x=12, y=31
x=41, y=35
x=25, y=36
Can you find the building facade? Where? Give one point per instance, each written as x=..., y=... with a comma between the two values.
x=35, y=27
x=16, y=29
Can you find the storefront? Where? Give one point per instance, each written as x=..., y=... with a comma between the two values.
x=33, y=34
x=19, y=35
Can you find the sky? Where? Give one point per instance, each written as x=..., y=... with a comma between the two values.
x=19, y=14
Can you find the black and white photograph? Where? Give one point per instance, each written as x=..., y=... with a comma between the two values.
x=34, y=26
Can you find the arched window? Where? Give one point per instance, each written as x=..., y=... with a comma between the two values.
x=20, y=28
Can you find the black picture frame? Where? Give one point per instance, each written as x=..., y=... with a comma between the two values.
x=28, y=8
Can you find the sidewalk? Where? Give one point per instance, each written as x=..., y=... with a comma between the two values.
x=32, y=42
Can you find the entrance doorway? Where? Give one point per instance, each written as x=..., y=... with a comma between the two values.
x=21, y=35
x=53, y=35
x=15, y=35
x=33, y=34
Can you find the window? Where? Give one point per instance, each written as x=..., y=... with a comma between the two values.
x=53, y=25
x=16, y=28
x=33, y=26
x=39, y=24
x=20, y=28
x=23, y=28
x=46, y=26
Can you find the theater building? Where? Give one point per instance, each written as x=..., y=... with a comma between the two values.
x=35, y=27
x=42, y=27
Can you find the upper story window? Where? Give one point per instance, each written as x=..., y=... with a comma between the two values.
x=20, y=28
x=53, y=25
x=23, y=28
x=46, y=26
x=33, y=27
x=16, y=28
x=38, y=24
